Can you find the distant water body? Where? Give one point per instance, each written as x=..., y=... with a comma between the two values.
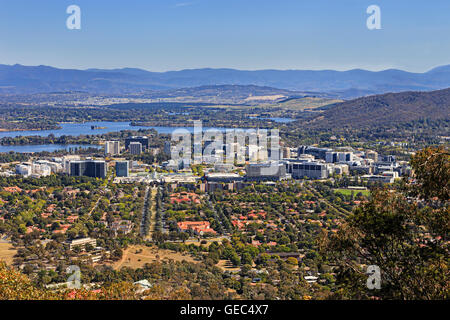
x=282, y=120
x=76, y=129
x=275, y=119
x=44, y=147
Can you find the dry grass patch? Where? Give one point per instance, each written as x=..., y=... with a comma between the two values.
x=138, y=255
x=7, y=252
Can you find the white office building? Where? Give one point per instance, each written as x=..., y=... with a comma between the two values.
x=24, y=169
x=135, y=148
x=112, y=148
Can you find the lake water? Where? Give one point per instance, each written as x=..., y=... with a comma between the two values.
x=76, y=129
x=43, y=147
x=282, y=120
x=279, y=120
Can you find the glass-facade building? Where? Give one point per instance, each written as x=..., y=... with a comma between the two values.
x=88, y=168
x=122, y=168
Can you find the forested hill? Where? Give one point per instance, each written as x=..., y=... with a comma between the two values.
x=18, y=79
x=386, y=109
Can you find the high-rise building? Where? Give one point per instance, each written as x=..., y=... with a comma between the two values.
x=167, y=147
x=271, y=170
x=318, y=153
x=252, y=152
x=122, y=168
x=112, y=148
x=312, y=170
x=332, y=157
x=144, y=141
x=135, y=148
x=88, y=168
x=67, y=160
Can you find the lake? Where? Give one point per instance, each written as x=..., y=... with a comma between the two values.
x=43, y=147
x=275, y=119
x=282, y=120
x=76, y=129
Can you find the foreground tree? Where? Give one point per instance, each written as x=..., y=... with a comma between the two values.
x=432, y=173
x=407, y=238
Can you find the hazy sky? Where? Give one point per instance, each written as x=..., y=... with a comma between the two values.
x=160, y=35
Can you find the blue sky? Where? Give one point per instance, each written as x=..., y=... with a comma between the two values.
x=161, y=35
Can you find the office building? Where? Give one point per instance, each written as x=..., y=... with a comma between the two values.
x=223, y=177
x=252, y=153
x=55, y=167
x=312, y=170
x=35, y=169
x=339, y=169
x=88, y=168
x=172, y=165
x=24, y=169
x=135, y=148
x=122, y=169
x=318, y=153
x=389, y=158
x=167, y=148
x=361, y=169
x=144, y=141
x=333, y=157
x=223, y=167
x=383, y=178
x=112, y=148
x=41, y=170
x=269, y=171
x=72, y=244
x=66, y=160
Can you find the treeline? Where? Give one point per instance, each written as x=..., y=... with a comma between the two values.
x=13, y=157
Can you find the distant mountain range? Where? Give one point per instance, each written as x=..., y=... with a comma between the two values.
x=18, y=79
x=383, y=110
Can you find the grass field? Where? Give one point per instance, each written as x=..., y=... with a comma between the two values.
x=134, y=258
x=348, y=192
x=302, y=104
x=7, y=252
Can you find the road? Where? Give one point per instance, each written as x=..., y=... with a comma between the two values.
x=95, y=205
x=153, y=213
x=340, y=210
x=144, y=213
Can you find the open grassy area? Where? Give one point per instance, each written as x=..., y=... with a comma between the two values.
x=138, y=255
x=302, y=104
x=348, y=192
x=7, y=252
